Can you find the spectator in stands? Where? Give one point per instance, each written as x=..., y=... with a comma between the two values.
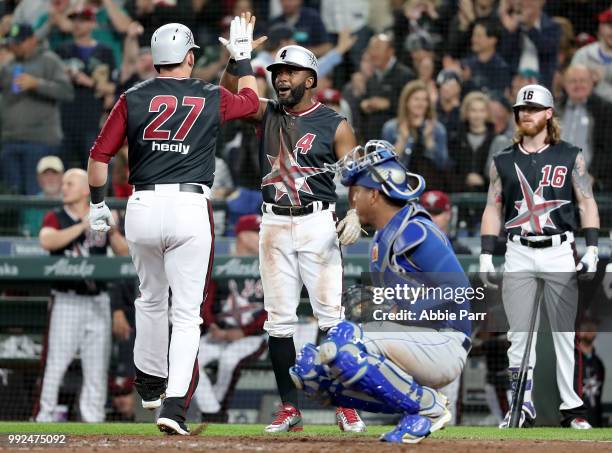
x=50, y=171
x=54, y=25
x=137, y=64
x=415, y=16
x=530, y=39
x=80, y=314
x=234, y=316
x=485, y=69
x=438, y=205
x=502, y=115
x=310, y=31
x=152, y=14
x=448, y=103
x=477, y=141
x=590, y=373
x=90, y=65
x=419, y=46
x=598, y=56
x=112, y=23
x=380, y=101
x=462, y=25
x=348, y=16
x=354, y=91
x=586, y=121
x=419, y=138
x=241, y=202
x=33, y=85
x=425, y=70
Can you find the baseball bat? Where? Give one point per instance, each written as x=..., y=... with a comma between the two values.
x=519, y=394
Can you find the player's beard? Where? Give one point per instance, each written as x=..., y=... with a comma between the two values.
x=294, y=97
x=533, y=128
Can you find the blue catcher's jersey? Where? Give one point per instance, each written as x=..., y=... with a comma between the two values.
x=412, y=251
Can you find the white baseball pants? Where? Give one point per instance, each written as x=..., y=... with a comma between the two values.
x=170, y=237
x=297, y=251
x=556, y=268
x=79, y=324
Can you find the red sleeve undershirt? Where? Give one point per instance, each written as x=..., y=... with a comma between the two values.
x=233, y=106
x=113, y=133
x=51, y=221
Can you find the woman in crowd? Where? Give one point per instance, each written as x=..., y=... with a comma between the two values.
x=419, y=138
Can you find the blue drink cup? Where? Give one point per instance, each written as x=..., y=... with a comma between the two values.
x=17, y=70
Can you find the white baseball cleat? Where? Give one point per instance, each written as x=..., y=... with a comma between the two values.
x=580, y=423
x=153, y=404
x=169, y=426
x=288, y=418
x=349, y=420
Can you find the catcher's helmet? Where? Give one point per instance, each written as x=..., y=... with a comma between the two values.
x=376, y=166
x=170, y=43
x=534, y=95
x=296, y=56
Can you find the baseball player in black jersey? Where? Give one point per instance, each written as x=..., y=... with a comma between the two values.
x=171, y=124
x=80, y=313
x=536, y=185
x=299, y=241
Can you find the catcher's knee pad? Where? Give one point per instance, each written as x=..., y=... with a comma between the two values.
x=309, y=374
x=341, y=334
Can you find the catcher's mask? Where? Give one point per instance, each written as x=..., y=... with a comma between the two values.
x=376, y=166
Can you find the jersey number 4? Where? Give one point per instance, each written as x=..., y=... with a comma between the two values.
x=305, y=143
x=165, y=106
x=558, y=176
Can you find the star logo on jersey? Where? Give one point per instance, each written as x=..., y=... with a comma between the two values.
x=533, y=210
x=237, y=310
x=287, y=176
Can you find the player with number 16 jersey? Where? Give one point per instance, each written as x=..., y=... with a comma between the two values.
x=299, y=240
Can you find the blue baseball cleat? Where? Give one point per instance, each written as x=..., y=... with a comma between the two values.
x=411, y=429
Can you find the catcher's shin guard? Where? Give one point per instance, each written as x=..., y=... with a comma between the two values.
x=313, y=378
x=378, y=378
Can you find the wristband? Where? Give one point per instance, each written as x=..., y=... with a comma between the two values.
x=230, y=68
x=244, y=68
x=97, y=193
x=488, y=243
x=591, y=236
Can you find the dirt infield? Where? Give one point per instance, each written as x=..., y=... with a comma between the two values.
x=306, y=444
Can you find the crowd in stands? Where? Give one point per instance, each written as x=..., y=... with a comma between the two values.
x=436, y=78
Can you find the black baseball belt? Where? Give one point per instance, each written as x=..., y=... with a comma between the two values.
x=182, y=188
x=540, y=243
x=296, y=211
x=467, y=344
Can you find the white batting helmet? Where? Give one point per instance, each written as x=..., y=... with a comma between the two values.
x=170, y=43
x=534, y=95
x=296, y=56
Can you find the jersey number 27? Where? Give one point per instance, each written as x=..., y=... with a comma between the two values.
x=165, y=106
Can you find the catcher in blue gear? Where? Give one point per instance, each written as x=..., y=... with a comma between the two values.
x=395, y=365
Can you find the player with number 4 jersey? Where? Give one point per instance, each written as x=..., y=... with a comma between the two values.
x=299, y=239
x=171, y=124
